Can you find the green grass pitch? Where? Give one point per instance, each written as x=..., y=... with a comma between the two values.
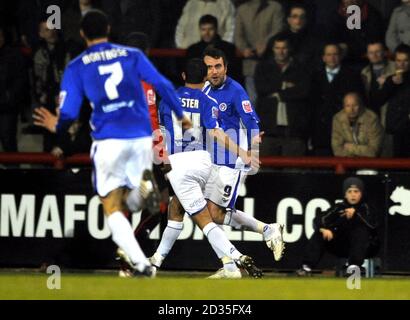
x=179, y=287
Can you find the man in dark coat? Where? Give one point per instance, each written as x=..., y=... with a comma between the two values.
x=282, y=85
x=348, y=229
x=208, y=29
x=397, y=87
x=12, y=78
x=330, y=84
x=305, y=45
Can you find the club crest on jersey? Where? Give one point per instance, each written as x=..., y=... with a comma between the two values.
x=247, y=106
x=215, y=112
x=151, y=97
x=223, y=107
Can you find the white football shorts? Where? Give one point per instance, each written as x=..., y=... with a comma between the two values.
x=188, y=177
x=222, y=186
x=120, y=163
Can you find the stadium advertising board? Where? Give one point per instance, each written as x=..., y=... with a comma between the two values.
x=53, y=217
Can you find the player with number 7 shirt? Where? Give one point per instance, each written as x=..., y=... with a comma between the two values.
x=109, y=76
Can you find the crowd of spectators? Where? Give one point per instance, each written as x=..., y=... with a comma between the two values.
x=319, y=88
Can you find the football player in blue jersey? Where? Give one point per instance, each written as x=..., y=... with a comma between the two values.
x=192, y=165
x=240, y=122
x=109, y=76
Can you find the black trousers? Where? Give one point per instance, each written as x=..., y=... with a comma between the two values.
x=352, y=241
x=8, y=132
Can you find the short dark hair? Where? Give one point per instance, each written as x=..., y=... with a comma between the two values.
x=216, y=54
x=95, y=25
x=137, y=40
x=376, y=41
x=195, y=71
x=296, y=6
x=281, y=38
x=331, y=44
x=403, y=48
x=209, y=19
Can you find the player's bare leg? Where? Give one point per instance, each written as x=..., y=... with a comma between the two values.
x=123, y=234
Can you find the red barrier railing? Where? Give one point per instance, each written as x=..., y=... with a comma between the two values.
x=340, y=165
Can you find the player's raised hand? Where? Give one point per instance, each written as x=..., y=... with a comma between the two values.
x=44, y=118
x=186, y=123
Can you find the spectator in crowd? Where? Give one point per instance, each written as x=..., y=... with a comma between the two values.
x=329, y=86
x=397, y=88
x=282, y=85
x=374, y=76
x=399, y=27
x=11, y=84
x=187, y=32
x=50, y=60
x=208, y=29
x=256, y=22
x=347, y=230
x=30, y=13
x=355, y=41
x=304, y=44
x=308, y=5
x=71, y=20
x=357, y=131
x=129, y=16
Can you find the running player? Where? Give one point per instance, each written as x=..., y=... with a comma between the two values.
x=191, y=162
x=109, y=76
x=241, y=124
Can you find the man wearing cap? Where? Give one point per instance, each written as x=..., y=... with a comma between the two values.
x=346, y=230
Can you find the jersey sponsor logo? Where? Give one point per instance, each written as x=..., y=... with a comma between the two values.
x=61, y=98
x=151, y=98
x=215, y=112
x=247, y=106
x=223, y=107
x=118, y=105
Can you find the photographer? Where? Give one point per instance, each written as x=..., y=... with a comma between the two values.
x=346, y=230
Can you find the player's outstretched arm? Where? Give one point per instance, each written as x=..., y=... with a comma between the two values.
x=225, y=141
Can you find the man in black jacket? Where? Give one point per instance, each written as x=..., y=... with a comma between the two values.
x=282, y=85
x=329, y=86
x=397, y=89
x=348, y=229
x=208, y=30
x=305, y=45
x=12, y=78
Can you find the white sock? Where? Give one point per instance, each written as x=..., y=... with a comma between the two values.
x=217, y=238
x=236, y=217
x=123, y=236
x=228, y=264
x=169, y=236
x=134, y=200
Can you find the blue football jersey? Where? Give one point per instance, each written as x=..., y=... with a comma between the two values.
x=236, y=117
x=203, y=112
x=109, y=76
